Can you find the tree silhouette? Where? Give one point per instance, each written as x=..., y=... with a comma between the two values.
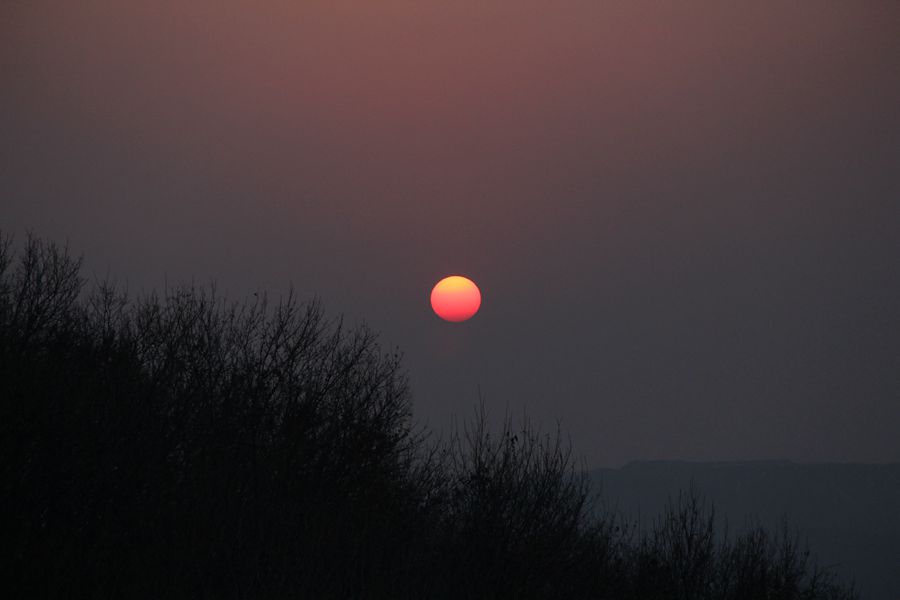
x=186, y=446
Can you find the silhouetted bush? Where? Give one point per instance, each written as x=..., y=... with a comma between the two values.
x=682, y=557
x=516, y=515
x=186, y=446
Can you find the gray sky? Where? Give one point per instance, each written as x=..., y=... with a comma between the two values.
x=684, y=217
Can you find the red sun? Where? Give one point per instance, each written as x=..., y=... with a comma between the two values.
x=455, y=298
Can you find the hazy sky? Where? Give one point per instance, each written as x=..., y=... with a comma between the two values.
x=684, y=216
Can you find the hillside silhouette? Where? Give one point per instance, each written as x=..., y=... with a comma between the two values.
x=185, y=446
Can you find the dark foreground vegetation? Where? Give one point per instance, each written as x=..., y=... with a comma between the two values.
x=184, y=446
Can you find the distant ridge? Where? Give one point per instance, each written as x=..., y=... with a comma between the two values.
x=848, y=512
x=637, y=464
x=783, y=462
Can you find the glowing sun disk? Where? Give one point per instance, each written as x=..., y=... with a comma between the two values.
x=455, y=298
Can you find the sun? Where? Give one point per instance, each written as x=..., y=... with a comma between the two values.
x=455, y=298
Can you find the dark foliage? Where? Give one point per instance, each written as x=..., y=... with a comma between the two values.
x=185, y=446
